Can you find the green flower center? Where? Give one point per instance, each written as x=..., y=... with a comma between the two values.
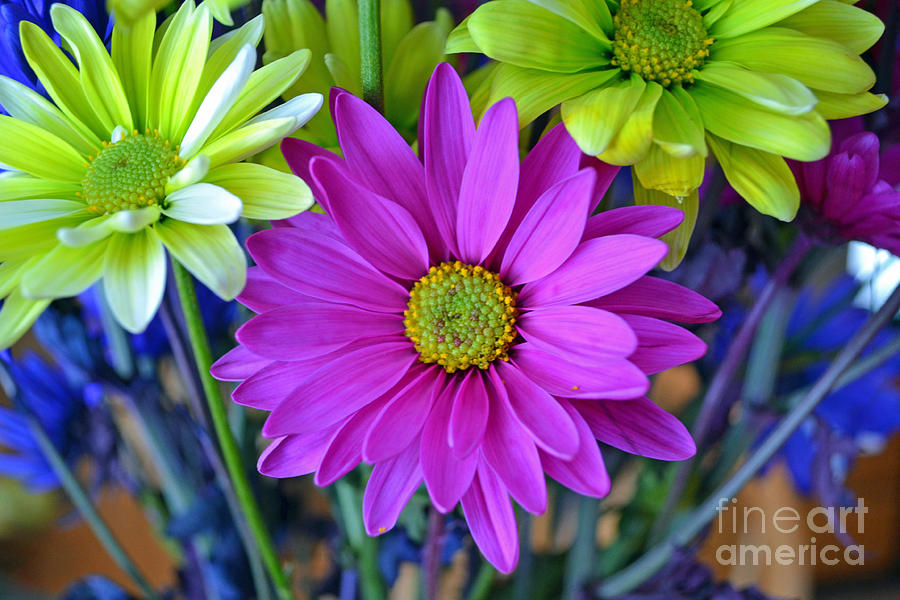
x=130, y=174
x=461, y=316
x=660, y=40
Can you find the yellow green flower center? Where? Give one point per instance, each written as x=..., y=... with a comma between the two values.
x=660, y=40
x=461, y=316
x=130, y=174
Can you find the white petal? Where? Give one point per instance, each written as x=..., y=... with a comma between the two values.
x=14, y=213
x=125, y=221
x=118, y=134
x=130, y=221
x=301, y=109
x=218, y=101
x=134, y=277
x=189, y=175
x=204, y=204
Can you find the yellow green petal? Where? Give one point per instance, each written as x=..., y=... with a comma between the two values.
x=661, y=171
x=64, y=272
x=407, y=74
x=745, y=16
x=460, y=40
x=342, y=25
x=31, y=149
x=679, y=238
x=677, y=125
x=762, y=179
x=99, y=78
x=210, y=252
x=843, y=106
x=396, y=21
x=17, y=315
x=853, y=27
x=730, y=116
x=24, y=242
x=17, y=213
x=248, y=140
x=773, y=91
x=266, y=193
x=596, y=117
x=633, y=140
x=526, y=35
x=816, y=62
x=591, y=15
x=19, y=186
x=134, y=278
x=132, y=49
x=222, y=52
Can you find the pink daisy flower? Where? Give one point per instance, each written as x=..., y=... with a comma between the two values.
x=460, y=320
x=846, y=194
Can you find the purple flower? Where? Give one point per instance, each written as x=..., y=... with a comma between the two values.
x=461, y=321
x=847, y=198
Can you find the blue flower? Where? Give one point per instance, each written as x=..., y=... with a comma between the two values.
x=13, y=12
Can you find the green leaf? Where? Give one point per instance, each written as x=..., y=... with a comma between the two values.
x=536, y=92
x=263, y=87
x=677, y=125
x=99, y=78
x=671, y=175
x=762, y=179
x=23, y=103
x=266, y=193
x=596, y=117
x=33, y=150
x=775, y=92
x=59, y=77
x=679, y=238
x=816, y=62
x=17, y=315
x=407, y=74
x=591, y=15
x=633, y=140
x=730, y=116
x=132, y=55
x=853, y=27
x=64, y=271
x=134, y=278
x=210, y=252
x=843, y=106
x=526, y=35
x=745, y=16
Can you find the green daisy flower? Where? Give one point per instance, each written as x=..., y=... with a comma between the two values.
x=659, y=83
x=410, y=53
x=129, y=11
x=138, y=154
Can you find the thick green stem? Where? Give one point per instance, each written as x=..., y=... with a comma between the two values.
x=370, y=53
x=365, y=547
x=648, y=564
x=230, y=451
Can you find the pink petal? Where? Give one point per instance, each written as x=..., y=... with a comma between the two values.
x=263, y=293
x=662, y=345
x=554, y=158
x=383, y=161
x=550, y=231
x=510, y=450
x=319, y=266
x=265, y=389
x=344, y=450
x=491, y=520
x=488, y=190
x=295, y=455
x=238, y=364
x=469, y=415
x=447, y=477
x=312, y=221
x=659, y=298
x=649, y=221
x=447, y=137
x=613, y=379
x=539, y=413
x=606, y=173
x=391, y=484
x=578, y=333
x=380, y=230
x=403, y=417
x=313, y=328
x=597, y=267
x=341, y=388
x=585, y=473
x=299, y=155
x=638, y=426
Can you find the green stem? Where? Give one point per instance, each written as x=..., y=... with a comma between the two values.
x=580, y=559
x=648, y=564
x=230, y=451
x=84, y=505
x=370, y=53
x=365, y=547
x=481, y=589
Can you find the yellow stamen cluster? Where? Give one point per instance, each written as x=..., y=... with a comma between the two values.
x=130, y=174
x=660, y=40
x=461, y=316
